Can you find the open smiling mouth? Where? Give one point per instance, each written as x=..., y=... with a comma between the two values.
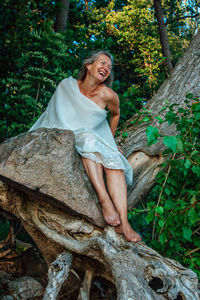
x=102, y=73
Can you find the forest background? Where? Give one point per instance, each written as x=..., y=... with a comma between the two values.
x=43, y=42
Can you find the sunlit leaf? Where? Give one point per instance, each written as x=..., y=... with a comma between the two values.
x=170, y=142
x=159, y=210
x=124, y=134
x=152, y=135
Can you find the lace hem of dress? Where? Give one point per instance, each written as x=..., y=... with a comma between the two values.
x=91, y=146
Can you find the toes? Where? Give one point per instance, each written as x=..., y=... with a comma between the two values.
x=133, y=237
x=115, y=222
x=112, y=222
x=136, y=239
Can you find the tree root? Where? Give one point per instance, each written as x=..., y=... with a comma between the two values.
x=86, y=285
x=57, y=274
x=138, y=271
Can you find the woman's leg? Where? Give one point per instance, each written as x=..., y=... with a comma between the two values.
x=95, y=174
x=117, y=189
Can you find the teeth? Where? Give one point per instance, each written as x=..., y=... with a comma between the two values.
x=102, y=73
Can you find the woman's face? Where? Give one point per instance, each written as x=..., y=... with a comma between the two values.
x=100, y=68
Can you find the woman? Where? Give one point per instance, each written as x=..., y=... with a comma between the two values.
x=79, y=105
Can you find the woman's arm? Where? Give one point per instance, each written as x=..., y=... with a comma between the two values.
x=113, y=107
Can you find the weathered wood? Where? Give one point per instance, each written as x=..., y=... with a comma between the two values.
x=138, y=271
x=86, y=285
x=57, y=274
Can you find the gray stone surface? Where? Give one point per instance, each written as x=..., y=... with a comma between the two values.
x=46, y=164
x=25, y=287
x=7, y=297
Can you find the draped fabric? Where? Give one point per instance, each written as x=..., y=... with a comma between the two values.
x=70, y=109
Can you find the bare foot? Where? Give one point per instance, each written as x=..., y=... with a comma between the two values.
x=110, y=214
x=129, y=233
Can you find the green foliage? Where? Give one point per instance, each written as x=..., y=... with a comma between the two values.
x=152, y=135
x=173, y=209
x=124, y=134
x=28, y=90
x=34, y=58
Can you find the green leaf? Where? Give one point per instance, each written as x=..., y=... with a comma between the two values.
x=125, y=94
x=133, y=122
x=187, y=233
x=170, y=142
x=179, y=147
x=146, y=119
x=167, y=191
x=197, y=116
x=194, y=152
x=159, y=119
x=129, y=216
x=159, y=210
x=196, y=107
x=187, y=164
x=189, y=96
x=196, y=170
x=163, y=237
x=152, y=135
x=124, y=134
x=170, y=117
x=193, y=217
x=150, y=216
x=161, y=223
x=163, y=108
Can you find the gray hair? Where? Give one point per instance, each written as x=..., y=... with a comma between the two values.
x=94, y=55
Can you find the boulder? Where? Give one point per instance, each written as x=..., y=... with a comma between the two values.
x=7, y=297
x=25, y=288
x=44, y=163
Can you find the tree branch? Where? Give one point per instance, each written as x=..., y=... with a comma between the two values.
x=180, y=18
x=57, y=274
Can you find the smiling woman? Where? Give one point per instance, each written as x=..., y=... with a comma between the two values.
x=102, y=66
x=91, y=59
x=79, y=105
x=93, y=86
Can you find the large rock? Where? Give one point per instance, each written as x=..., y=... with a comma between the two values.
x=44, y=163
x=25, y=288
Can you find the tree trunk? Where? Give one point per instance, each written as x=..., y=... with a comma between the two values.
x=47, y=188
x=163, y=35
x=184, y=79
x=61, y=15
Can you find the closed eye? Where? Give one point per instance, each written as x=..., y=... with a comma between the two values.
x=105, y=63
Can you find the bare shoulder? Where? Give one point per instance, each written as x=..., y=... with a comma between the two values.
x=111, y=97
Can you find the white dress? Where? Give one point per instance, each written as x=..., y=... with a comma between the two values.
x=70, y=109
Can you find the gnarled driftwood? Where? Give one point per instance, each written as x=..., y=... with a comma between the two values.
x=44, y=184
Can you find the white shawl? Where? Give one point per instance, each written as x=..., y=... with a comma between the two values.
x=70, y=109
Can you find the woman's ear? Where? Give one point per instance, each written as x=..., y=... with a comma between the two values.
x=88, y=66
